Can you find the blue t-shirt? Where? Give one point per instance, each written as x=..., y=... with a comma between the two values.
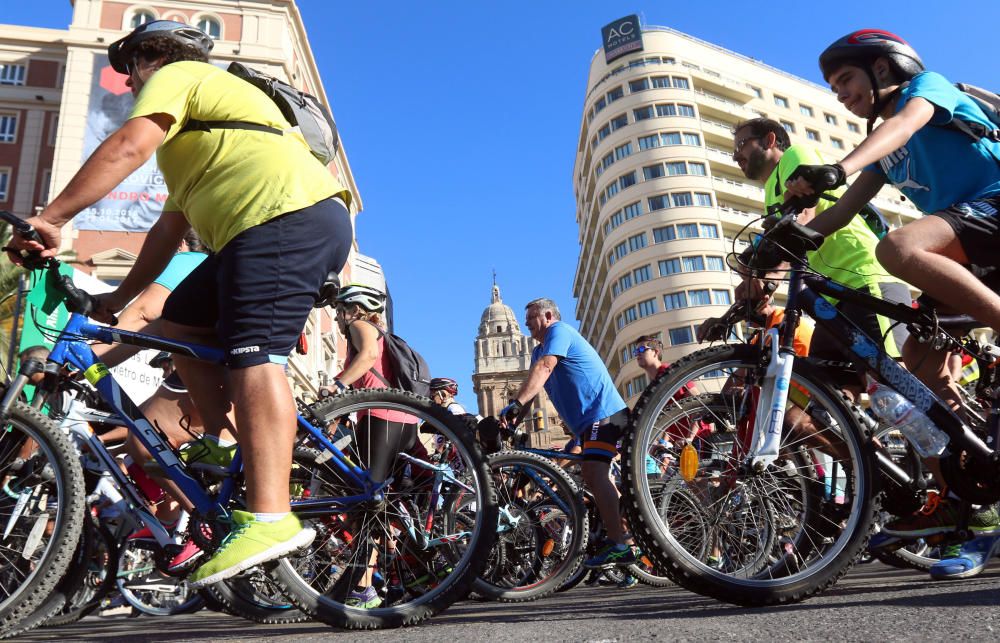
x=179, y=268
x=940, y=167
x=580, y=387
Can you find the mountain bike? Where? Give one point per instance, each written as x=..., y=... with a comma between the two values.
x=799, y=489
x=388, y=517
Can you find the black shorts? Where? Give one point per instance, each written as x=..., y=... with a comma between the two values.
x=600, y=442
x=977, y=228
x=824, y=346
x=257, y=291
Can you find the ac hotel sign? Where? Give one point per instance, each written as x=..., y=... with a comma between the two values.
x=621, y=37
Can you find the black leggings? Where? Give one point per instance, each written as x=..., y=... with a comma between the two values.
x=380, y=441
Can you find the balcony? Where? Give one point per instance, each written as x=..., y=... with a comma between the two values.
x=715, y=105
x=716, y=82
x=746, y=193
x=719, y=132
x=720, y=157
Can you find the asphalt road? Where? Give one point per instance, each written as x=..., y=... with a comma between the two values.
x=873, y=603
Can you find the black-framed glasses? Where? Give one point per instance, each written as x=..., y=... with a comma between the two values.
x=739, y=146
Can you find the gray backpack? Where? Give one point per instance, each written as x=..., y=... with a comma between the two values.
x=990, y=104
x=300, y=109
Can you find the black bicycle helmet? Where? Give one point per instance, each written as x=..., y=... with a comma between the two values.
x=865, y=46
x=120, y=52
x=444, y=384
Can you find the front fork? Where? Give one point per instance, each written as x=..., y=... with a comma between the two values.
x=771, y=403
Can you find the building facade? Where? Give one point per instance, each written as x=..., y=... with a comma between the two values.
x=60, y=98
x=503, y=357
x=660, y=201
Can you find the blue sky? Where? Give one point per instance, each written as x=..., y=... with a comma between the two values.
x=460, y=120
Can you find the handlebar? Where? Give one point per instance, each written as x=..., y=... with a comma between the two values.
x=77, y=301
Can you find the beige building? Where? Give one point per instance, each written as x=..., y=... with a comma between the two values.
x=59, y=98
x=659, y=200
x=503, y=357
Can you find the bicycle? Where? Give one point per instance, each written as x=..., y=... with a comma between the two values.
x=385, y=511
x=785, y=409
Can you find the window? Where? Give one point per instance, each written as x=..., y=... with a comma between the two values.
x=4, y=184
x=687, y=230
x=639, y=85
x=694, y=264
x=676, y=300
x=610, y=191
x=647, y=307
x=629, y=314
x=661, y=82
x=140, y=18
x=603, y=133
x=53, y=130
x=611, y=258
x=669, y=267
x=642, y=113
x=685, y=110
x=632, y=210
x=621, y=250
x=658, y=202
x=8, y=128
x=647, y=142
x=665, y=233
x=622, y=151
x=721, y=298
x=698, y=169
x=636, y=386
x=600, y=104
x=607, y=161
x=615, y=220
x=837, y=143
x=806, y=110
x=676, y=167
x=789, y=127
x=637, y=242
x=830, y=118
x=699, y=297
x=627, y=180
x=681, y=199
x=624, y=283
x=681, y=83
x=692, y=139
x=709, y=231
x=211, y=26
x=854, y=127
x=671, y=138
x=781, y=101
x=619, y=121
x=666, y=109
x=680, y=336
x=652, y=171
x=812, y=135
x=44, y=194
x=12, y=74
x=642, y=274
x=615, y=94
x=715, y=263
x=703, y=199
x=756, y=91
x=593, y=142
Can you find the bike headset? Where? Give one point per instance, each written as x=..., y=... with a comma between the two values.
x=122, y=51
x=861, y=49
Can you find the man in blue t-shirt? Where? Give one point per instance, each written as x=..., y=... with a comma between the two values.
x=581, y=390
x=933, y=145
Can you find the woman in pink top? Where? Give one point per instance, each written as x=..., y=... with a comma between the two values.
x=380, y=434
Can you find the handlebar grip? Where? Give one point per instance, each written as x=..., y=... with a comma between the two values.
x=23, y=228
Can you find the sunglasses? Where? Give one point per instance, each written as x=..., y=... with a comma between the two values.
x=639, y=350
x=742, y=144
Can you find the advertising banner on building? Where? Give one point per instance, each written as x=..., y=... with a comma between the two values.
x=621, y=37
x=134, y=205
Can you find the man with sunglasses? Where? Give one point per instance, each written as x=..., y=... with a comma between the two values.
x=764, y=152
x=648, y=351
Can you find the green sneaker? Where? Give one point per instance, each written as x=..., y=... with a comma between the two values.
x=251, y=543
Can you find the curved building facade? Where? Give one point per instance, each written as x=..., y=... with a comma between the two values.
x=659, y=200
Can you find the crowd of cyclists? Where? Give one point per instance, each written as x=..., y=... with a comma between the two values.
x=260, y=224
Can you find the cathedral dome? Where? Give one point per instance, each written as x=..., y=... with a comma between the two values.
x=498, y=317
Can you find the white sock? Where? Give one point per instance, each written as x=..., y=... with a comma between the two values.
x=269, y=517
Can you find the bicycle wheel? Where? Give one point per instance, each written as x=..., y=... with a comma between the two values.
x=101, y=571
x=420, y=546
x=41, y=511
x=778, y=534
x=147, y=589
x=543, y=530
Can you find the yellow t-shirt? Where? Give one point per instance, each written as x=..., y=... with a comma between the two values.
x=228, y=180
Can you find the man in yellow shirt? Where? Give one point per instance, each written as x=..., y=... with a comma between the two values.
x=277, y=222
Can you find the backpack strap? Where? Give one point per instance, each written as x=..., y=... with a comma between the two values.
x=194, y=125
x=381, y=333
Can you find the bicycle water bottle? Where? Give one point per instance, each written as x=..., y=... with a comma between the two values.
x=928, y=440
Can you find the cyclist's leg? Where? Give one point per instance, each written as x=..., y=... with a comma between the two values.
x=599, y=449
x=269, y=277
x=931, y=253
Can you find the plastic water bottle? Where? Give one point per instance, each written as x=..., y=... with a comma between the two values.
x=896, y=410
